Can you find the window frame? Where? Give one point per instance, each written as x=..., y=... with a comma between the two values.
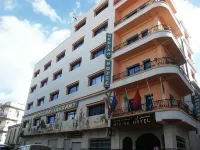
x=78, y=43
x=59, y=72
x=47, y=65
x=81, y=24
x=145, y=61
x=97, y=49
x=99, y=29
x=131, y=67
x=101, y=8
x=70, y=86
x=66, y=114
x=94, y=105
x=35, y=121
x=47, y=118
x=95, y=75
x=75, y=62
x=28, y=106
x=43, y=82
x=33, y=88
x=53, y=94
x=39, y=101
x=36, y=73
x=60, y=56
x=25, y=124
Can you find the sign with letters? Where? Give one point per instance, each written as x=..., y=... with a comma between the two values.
x=196, y=104
x=133, y=120
x=107, y=73
x=108, y=52
x=57, y=109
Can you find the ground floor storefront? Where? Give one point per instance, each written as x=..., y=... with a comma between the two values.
x=167, y=137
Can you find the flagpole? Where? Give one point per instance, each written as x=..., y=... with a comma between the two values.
x=148, y=86
x=126, y=92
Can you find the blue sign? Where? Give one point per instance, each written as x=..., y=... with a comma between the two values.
x=196, y=104
x=107, y=73
x=108, y=52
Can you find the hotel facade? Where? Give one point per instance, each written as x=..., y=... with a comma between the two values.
x=147, y=50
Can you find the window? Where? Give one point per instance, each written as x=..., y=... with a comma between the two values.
x=33, y=88
x=97, y=79
x=60, y=56
x=46, y=66
x=25, y=124
x=70, y=115
x=100, y=29
x=144, y=33
x=97, y=109
x=132, y=39
x=101, y=8
x=30, y=106
x=36, y=122
x=78, y=44
x=36, y=73
x=40, y=101
x=72, y=88
x=100, y=144
x=80, y=25
x=180, y=143
x=44, y=82
x=99, y=51
x=57, y=75
x=75, y=64
x=54, y=96
x=133, y=70
x=147, y=64
x=51, y=119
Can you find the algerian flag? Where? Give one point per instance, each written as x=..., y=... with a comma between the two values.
x=125, y=102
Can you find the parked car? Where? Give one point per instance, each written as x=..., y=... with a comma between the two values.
x=4, y=147
x=34, y=147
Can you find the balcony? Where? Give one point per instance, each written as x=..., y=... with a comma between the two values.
x=146, y=11
x=165, y=67
x=157, y=35
x=167, y=111
x=191, y=64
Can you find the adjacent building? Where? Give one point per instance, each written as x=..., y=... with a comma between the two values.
x=10, y=114
x=13, y=138
x=148, y=57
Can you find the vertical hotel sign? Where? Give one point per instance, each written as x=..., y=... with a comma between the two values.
x=108, y=61
x=196, y=104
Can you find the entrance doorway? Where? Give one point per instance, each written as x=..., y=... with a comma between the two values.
x=127, y=143
x=147, y=142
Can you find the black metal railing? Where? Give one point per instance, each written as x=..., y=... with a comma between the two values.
x=158, y=105
x=149, y=31
x=153, y=64
x=134, y=11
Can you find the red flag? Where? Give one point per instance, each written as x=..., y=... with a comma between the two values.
x=137, y=101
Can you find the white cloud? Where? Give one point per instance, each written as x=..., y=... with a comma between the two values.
x=96, y=1
x=41, y=6
x=22, y=45
x=10, y=4
x=78, y=4
x=188, y=13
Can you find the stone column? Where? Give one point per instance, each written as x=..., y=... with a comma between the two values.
x=170, y=137
x=115, y=140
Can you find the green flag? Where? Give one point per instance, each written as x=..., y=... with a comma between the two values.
x=125, y=96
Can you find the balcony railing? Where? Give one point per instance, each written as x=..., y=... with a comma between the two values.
x=134, y=11
x=158, y=105
x=142, y=35
x=164, y=61
x=117, y=1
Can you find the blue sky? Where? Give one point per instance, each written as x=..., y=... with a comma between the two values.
x=30, y=29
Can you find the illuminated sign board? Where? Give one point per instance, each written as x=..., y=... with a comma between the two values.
x=57, y=109
x=107, y=73
x=133, y=120
x=196, y=104
x=108, y=52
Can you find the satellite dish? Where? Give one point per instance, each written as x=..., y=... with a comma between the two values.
x=75, y=16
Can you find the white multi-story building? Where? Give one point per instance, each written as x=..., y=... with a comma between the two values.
x=68, y=105
x=10, y=114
